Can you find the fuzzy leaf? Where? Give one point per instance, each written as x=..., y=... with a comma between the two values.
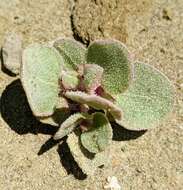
x=92, y=77
x=70, y=80
x=102, y=158
x=84, y=162
x=12, y=52
x=87, y=162
x=99, y=136
x=62, y=103
x=47, y=120
x=58, y=117
x=39, y=75
x=95, y=102
x=72, y=51
x=113, y=56
x=148, y=100
x=69, y=125
x=60, y=114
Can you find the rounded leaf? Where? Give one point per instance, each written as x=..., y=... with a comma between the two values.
x=148, y=100
x=72, y=51
x=39, y=75
x=70, y=80
x=60, y=114
x=92, y=77
x=99, y=136
x=113, y=57
x=87, y=162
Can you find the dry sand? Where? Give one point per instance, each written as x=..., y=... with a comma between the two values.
x=153, y=31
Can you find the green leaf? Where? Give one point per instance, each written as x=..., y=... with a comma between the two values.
x=148, y=100
x=70, y=124
x=85, y=160
x=102, y=158
x=60, y=114
x=72, y=51
x=39, y=75
x=95, y=102
x=70, y=80
x=113, y=57
x=92, y=77
x=58, y=117
x=99, y=136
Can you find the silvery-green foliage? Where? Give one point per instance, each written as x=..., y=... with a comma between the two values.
x=72, y=52
x=92, y=77
x=113, y=56
x=82, y=89
x=70, y=124
x=60, y=114
x=99, y=136
x=39, y=75
x=87, y=162
x=69, y=80
x=95, y=102
x=148, y=100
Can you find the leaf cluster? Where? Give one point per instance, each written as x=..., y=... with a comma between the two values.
x=82, y=90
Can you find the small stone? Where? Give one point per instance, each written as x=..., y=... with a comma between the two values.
x=18, y=20
x=181, y=85
x=12, y=52
x=112, y=184
x=167, y=14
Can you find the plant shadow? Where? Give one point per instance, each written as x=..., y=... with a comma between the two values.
x=68, y=161
x=122, y=134
x=3, y=68
x=15, y=111
x=17, y=114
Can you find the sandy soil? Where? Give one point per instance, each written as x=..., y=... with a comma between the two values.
x=153, y=31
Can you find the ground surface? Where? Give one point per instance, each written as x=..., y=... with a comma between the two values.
x=153, y=31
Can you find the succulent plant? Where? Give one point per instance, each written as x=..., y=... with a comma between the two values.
x=85, y=90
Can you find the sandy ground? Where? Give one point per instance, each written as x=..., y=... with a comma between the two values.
x=153, y=31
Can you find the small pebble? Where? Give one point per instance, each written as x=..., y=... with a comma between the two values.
x=112, y=184
x=12, y=52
